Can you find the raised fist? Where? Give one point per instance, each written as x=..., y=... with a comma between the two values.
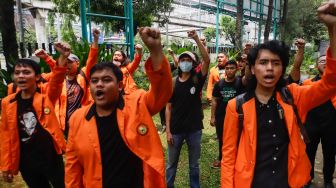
x=151, y=37
x=327, y=13
x=63, y=48
x=170, y=51
x=96, y=34
x=300, y=43
x=192, y=34
x=40, y=53
x=138, y=49
x=203, y=41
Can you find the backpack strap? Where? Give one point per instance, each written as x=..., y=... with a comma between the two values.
x=240, y=100
x=288, y=98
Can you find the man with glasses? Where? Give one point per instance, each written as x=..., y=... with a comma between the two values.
x=321, y=128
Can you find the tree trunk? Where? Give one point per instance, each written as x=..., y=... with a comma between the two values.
x=269, y=20
x=284, y=12
x=239, y=23
x=8, y=32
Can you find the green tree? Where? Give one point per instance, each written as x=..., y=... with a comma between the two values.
x=8, y=32
x=228, y=25
x=239, y=23
x=144, y=12
x=209, y=33
x=301, y=21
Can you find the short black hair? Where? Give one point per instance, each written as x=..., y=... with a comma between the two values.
x=277, y=47
x=26, y=62
x=108, y=65
x=231, y=62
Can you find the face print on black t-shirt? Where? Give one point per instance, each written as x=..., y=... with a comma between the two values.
x=27, y=124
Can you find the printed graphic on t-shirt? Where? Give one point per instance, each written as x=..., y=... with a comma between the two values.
x=73, y=91
x=228, y=93
x=28, y=123
x=221, y=73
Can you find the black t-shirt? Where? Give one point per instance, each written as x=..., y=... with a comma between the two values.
x=225, y=91
x=121, y=167
x=36, y=144
x=321, y=117
x=187, y=114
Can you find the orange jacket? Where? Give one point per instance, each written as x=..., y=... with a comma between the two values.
x=237, y=165
x=44, y=107
x=61, y=104
x=309, y=82
x=213, y=79
x=128, y=71
x=83, y=161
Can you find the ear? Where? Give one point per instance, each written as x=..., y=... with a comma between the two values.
x=252, y=69
x=37, y=77
x=120, y=86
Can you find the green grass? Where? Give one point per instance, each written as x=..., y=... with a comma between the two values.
x=209, y=177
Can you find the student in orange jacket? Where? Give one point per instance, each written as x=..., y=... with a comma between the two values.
x=31, y=139
x=114, y=142
x=320, y=125
x=120, y=59
x=270, y=151
x=75, y=92
x=216, y=73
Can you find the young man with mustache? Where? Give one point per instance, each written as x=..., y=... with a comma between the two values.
x=216, y=73
x=268, y=150
x=321, y=127
x=114, y=142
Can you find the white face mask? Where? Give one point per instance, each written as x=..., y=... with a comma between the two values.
x=117, y=63
x=185, y=66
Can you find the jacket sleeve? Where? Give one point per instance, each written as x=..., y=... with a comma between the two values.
x=73, y=169
x=5, y=144
x=91, y=61
x=309, y=96
x=55, y=84
x=52, y=64
x=161, y=86
x=210, y=86
x=134, y=65
x=229, y=149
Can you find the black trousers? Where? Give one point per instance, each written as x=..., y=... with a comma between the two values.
x=326, y=136
x=219, y=132
x=44, y=176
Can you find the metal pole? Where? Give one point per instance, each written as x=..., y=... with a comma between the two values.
x=90, y=28
x=217, y=27
x=21, y=27
x=83, y=19
x=131, y=32
x=275, y=19
x=261, y=17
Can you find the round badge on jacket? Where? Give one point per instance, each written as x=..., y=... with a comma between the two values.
x=46, y=110
x=142, y=129
x=193, y=90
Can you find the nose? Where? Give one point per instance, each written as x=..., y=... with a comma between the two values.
x=269, y=65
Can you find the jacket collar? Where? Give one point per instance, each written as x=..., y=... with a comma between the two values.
x=92, y=110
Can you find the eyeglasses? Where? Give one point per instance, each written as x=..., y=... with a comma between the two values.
x=322, y=62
